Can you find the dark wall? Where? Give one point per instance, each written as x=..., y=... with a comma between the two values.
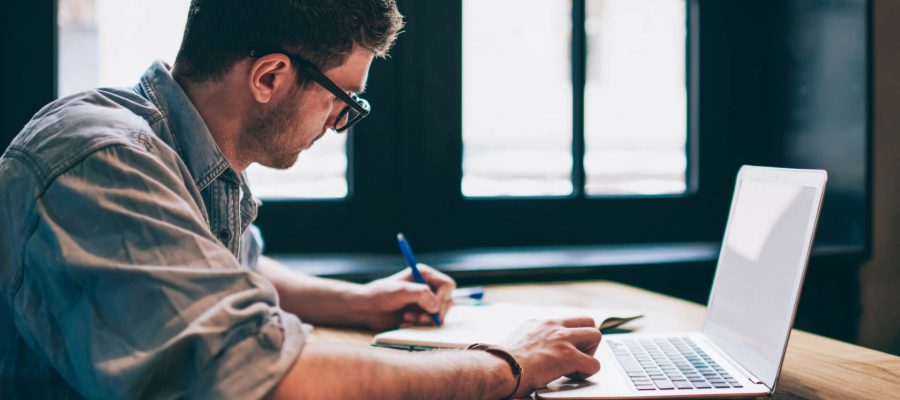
x=880, y=325
x=786, y=83
x=28, y=67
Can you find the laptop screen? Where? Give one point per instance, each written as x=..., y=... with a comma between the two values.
x=760, y=271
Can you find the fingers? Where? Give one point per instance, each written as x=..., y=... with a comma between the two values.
x=426, y=300
x=442, y=285
x=437, y=280
x=578, y=322
x=410, y=317
x=383, y=321
x=406, y=294
x=584, y=366
x=444, y=294
x=414, y=318
x=581, y=333
x=585, y=338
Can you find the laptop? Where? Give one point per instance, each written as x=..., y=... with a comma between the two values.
x=740, y=349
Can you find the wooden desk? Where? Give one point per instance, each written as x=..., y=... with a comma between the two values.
x=815, y=366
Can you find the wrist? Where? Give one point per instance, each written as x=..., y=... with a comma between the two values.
x=509, y=370
x=357, y=303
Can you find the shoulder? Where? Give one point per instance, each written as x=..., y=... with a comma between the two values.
x=69, y=129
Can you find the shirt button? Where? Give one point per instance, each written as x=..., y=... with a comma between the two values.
x=225, y=235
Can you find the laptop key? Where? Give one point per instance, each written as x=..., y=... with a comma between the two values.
x=701, y=385
x=682, y=384
x=663, y=384
x=629, y=365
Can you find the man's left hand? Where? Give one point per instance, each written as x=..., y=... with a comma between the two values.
x=397, y=300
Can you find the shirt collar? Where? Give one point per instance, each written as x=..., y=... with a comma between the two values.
x=190, y=136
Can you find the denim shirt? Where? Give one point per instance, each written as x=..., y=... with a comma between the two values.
x=127, y=256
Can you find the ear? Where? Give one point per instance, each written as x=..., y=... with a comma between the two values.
x=270, y=75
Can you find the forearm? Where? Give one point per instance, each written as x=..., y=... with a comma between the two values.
x=325, y=370
x=315, y=300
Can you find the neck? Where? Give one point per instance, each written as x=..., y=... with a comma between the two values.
x=221, y=111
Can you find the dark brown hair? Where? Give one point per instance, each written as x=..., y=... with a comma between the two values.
x=221, y=32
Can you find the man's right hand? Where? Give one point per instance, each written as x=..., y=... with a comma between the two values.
x=549, y=349
x=546, y=350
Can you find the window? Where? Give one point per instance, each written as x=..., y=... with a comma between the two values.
x=635, y=97
x=517, y=100
x=111, y=42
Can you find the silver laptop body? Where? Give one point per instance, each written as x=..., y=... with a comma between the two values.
x=740, y=349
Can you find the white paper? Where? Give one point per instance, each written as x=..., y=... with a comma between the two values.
x=488, y=324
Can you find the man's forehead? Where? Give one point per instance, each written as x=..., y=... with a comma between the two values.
x=351, y=83
x=353, y=74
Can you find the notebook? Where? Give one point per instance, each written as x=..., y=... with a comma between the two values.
x=490, y=324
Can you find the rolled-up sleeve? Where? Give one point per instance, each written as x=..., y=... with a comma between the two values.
x=128, y=295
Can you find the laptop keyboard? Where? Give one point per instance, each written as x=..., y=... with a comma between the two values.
x=670, y=364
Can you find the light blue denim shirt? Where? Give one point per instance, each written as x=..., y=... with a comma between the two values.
x=126, y=256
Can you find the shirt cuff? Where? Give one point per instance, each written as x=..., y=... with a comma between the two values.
x=254, y=365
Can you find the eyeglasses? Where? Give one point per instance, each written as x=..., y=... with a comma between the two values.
x=357, y=107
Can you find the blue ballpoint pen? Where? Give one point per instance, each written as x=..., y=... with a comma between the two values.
x=417, y=276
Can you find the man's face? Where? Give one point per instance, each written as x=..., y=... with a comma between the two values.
x=279, y=132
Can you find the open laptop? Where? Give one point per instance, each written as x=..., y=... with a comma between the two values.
x=739, y=351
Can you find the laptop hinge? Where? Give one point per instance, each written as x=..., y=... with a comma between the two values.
x=736, y=364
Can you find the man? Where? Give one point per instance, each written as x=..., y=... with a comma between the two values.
x=128, y=264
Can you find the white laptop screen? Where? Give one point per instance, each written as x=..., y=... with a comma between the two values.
x=760, y=271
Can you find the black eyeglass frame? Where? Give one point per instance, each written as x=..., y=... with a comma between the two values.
x=354, y=103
